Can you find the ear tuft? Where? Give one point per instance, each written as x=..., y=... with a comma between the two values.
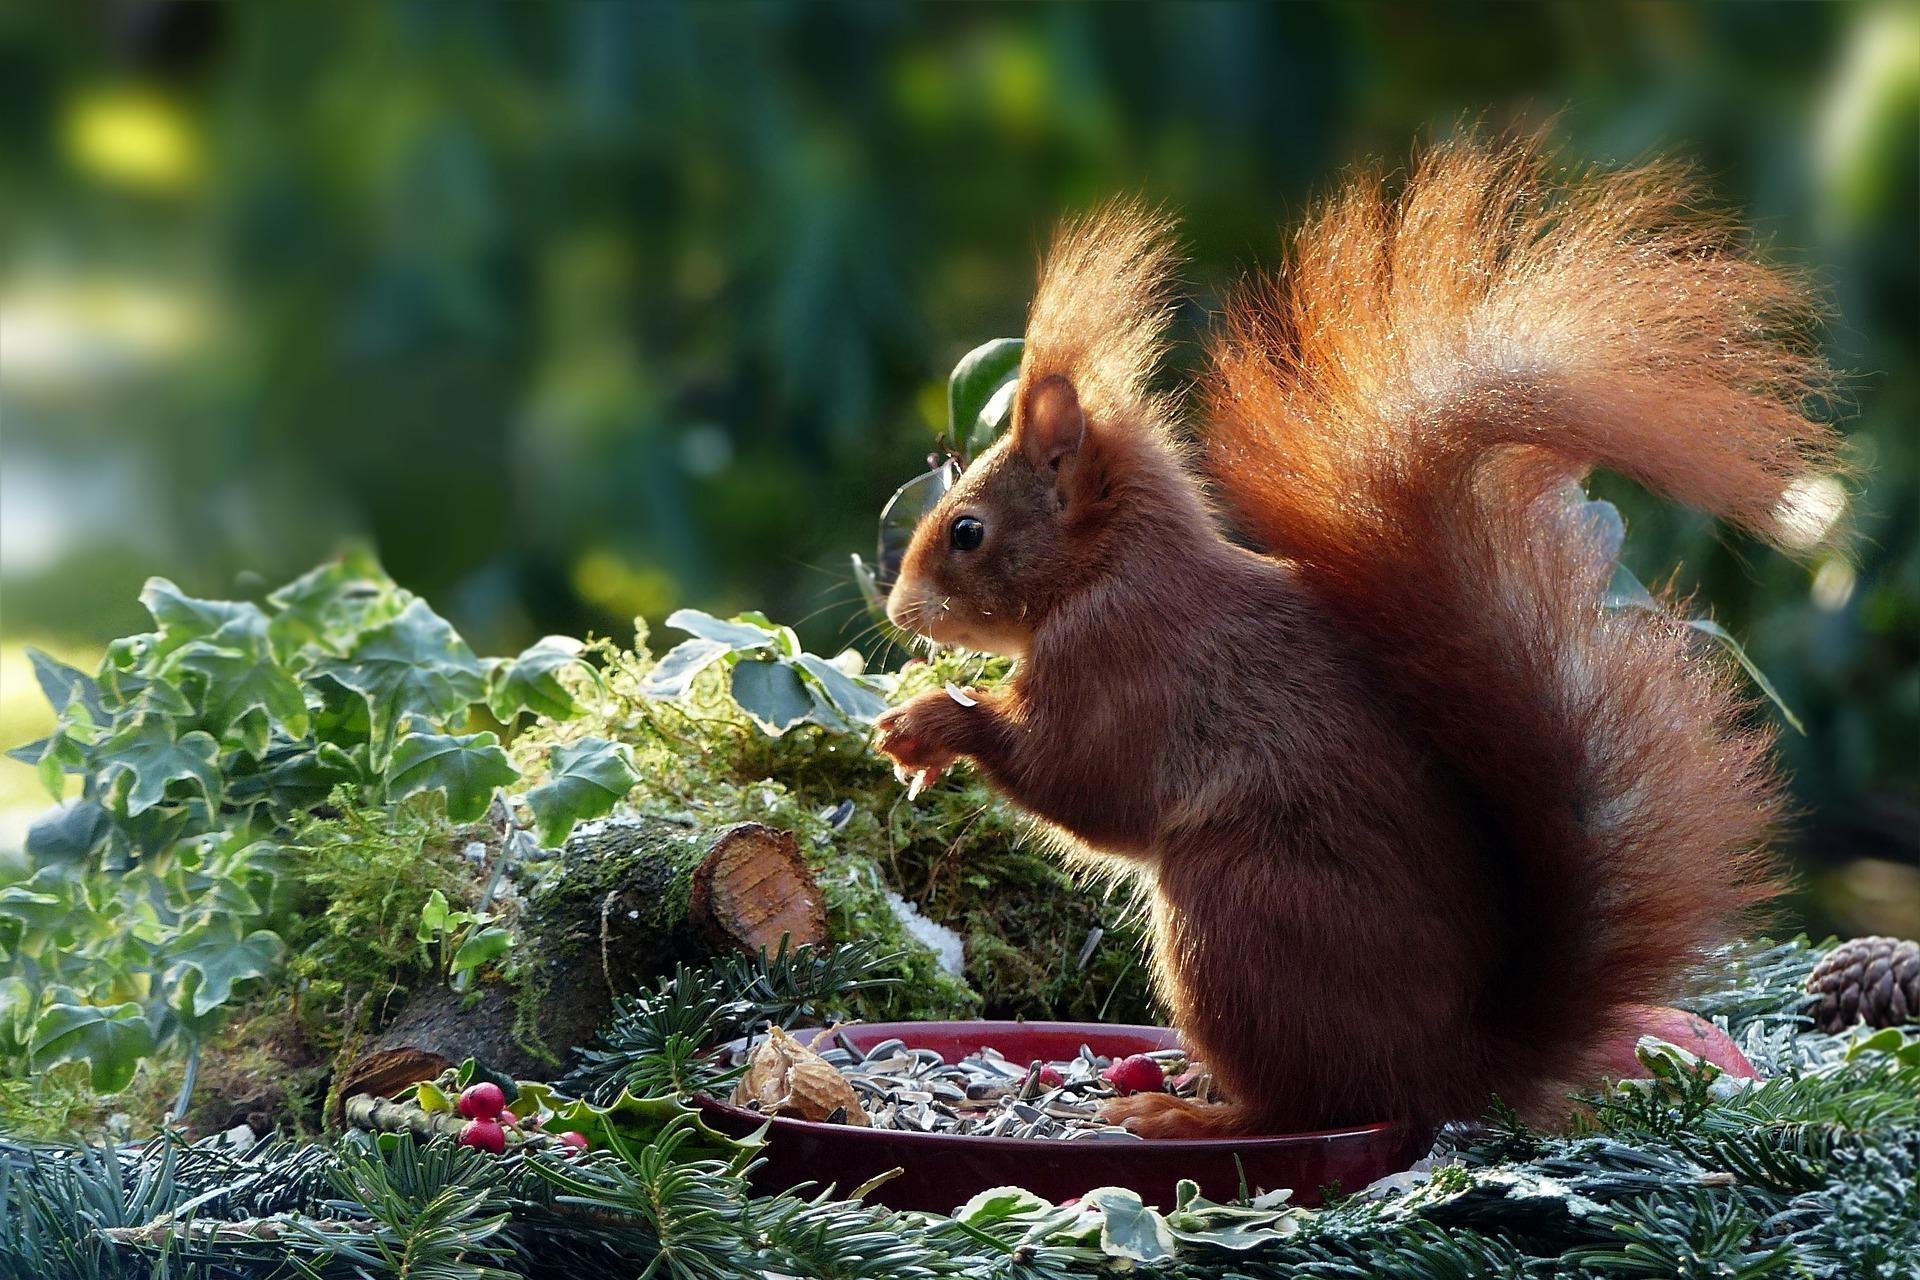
x=1101, y=309
x=1051, y=424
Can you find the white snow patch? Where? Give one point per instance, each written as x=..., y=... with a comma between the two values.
x=944, y=942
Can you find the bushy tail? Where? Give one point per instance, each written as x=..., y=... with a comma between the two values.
x=1402, y=414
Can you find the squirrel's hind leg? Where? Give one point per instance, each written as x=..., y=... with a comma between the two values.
x=1161, y=1115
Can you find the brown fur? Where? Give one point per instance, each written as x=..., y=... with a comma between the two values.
x=1420, y=820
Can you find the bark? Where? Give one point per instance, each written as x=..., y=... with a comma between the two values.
x=629, y=899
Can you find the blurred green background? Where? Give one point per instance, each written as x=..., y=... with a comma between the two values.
x=578, y=312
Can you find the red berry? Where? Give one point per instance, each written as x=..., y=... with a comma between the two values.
x=509, y=1119
x=483, y=1101
x=484, y=1134
x=575, y=1141
x=1138, y=1074
x=1051, y=1078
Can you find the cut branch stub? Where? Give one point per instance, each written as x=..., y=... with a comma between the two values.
x=753, y=889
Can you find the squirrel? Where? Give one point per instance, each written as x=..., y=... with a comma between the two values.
x=1418, y=819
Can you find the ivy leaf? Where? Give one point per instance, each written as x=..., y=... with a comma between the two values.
x=184, y=619
x=65, y=685
x=980, y=394
x=69, y=836
x=130, y=690
x=53, y=758
x=1129, y=1229
x=205, y=968
x=414, y=665
x=1000, y=1204
x=330, y=606
x=589, y=777
x=848, y=695
x=772, y=694
x=531, y=682
x=110, y=1039
x=147, y=753
x=736, y=634
x=673, y=675
x=248, y=690
x=467, y=767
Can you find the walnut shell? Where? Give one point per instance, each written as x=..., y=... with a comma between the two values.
x=785, y=1078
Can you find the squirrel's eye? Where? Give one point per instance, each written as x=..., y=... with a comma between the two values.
x=967, y=533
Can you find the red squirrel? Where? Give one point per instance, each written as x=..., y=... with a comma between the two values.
x=1419, y=819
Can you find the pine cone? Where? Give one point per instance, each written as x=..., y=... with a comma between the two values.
x=1870, y=980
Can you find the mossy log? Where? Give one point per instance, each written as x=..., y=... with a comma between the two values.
x=627, y=899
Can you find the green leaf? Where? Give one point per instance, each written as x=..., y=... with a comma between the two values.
x=147, y=753
x=53, y=758
x=531, y=682
x=69, y=836
x=849, y=696
x=673, y=675
x=588, y=778
x=65, y=685
x=241, y=686
x=467, y=767
x=638, y=1121
x=1708, y=627
x=998, y=1204
x=980, y=394
x=737, y=634
x=481, y=946
x=771, y=693
x=1129, y=1229
x=219, y=958
x=414, y=665
x=110, y=1039
x=434, y=917
x=184, y=619
x=330, y=606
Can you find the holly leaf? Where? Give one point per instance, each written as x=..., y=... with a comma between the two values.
x=673, y=675
x=110, y=1039
x=466, y=767
x=205, y=966
x=588, y=778
x=148, y=754
x=531, y=682
x=772, y=694
x=414, y=665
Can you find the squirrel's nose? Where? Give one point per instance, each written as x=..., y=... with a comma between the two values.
x=905, y=603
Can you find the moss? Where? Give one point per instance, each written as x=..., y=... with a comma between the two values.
x=959, y=852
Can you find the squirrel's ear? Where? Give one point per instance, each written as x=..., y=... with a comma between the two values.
x=1051, y=426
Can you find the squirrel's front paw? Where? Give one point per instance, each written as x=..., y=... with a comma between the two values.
x=919, y=735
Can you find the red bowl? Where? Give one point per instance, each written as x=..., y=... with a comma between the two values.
x=939, y=1171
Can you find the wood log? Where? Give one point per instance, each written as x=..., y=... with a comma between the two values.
x=627, y=899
